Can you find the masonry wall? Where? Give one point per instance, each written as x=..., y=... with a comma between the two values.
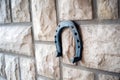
x=27, y=49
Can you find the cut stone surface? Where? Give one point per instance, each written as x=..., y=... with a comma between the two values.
x=101, y=47
x=44, y=19
x=4, y=11
x=27, y=69
x=68, y=46
x=41, y=78
x=16, y=39
x=1, y=78
x=75, y=9
x=76, y=74
x=107, y=9
x=108, y=77
x=47, y=63
x=2, y=66
x=12, y=68
x=20, y=10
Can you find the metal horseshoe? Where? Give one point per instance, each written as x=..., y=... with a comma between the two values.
x=78, y=41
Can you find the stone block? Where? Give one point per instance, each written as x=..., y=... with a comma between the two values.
x=75, y=9
x=107, y=9
x=2, y=66
x=4, y=11
x=12, y=68
x=41, y=78
x=16, y=39
x=47, y=62
x=20, y=10
x=44, y=19
x=1, y=78
x=107, y=77
x=27, y=69
x=76, y=74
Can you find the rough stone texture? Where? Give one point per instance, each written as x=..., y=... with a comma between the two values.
x=2, y=67
x=119, y=8
x=101, y=47
x=47, y=63
x=41, y=78
x=107, y=77
x=68, y=46
x=107, y=9
x=1, y=78
x=12, y=68
x=44, y=19
x=75, y=74
x=16, y=39
x=27, y=69
x=4, y=11
x=20, y=10
x=75, y=9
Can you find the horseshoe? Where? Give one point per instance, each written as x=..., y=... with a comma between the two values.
x=77, y=38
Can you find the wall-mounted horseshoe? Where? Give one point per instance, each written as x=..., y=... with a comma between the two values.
x=78, y=41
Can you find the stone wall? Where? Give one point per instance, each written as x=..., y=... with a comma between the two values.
x=27, y=49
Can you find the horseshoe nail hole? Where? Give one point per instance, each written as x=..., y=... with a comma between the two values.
x=72, y=27
x=75, y=33
x=55, y=41
x=55, y=36
x=78, y=46
x=56, y=30
x=58, y=25
x=78, y=41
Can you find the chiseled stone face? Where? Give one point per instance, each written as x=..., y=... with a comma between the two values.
x=2, y=66
x=107, y=77
x=101, y=47
x=27, y=69
x=47, y=62
x=1, y=78
x=75, y=9
x=76, y=74
x=4, y=11
x=16, y=39
x=41, y=78
x=107, y=9
x=68, y=46
x=12, y=68
x=44, y=19
x=20, y=10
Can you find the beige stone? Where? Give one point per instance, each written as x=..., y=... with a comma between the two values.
x=75, y=9
x=47, y=62
x=107, y=9
x=20, y=10
x=4, y=11
x=76, y=74
x=12, y=68
x=41, y=78
x=27, y=69
x=16, y=39
x=44, y=19
x=2, y=66
x=107, y=77
x=68, y=46
x=119, y=9
x=101, y=47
